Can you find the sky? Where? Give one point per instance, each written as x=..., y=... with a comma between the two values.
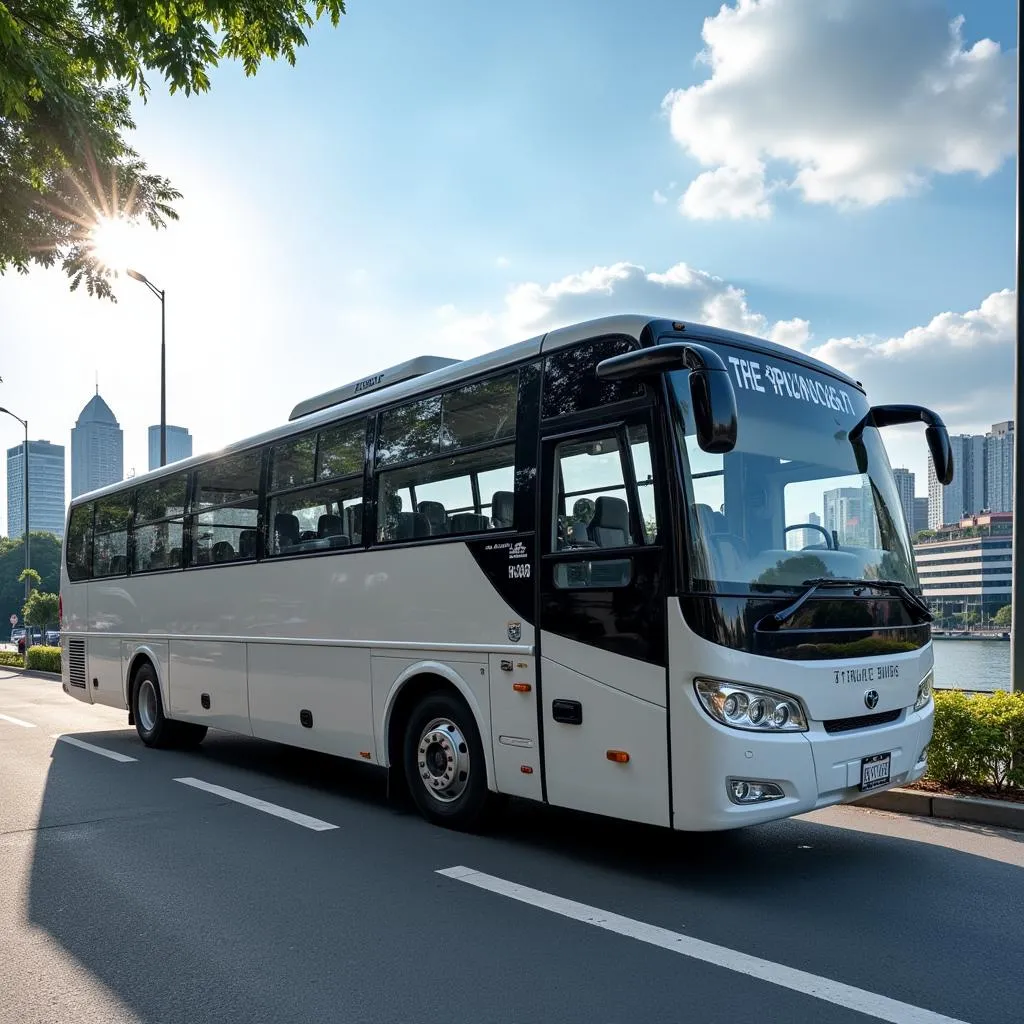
x=837, y=175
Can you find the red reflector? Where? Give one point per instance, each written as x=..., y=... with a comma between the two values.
x=526, y=769
x=618, y=756
x=522, y=687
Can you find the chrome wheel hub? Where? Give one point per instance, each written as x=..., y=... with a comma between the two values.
x=147, y=705
x=443, y=760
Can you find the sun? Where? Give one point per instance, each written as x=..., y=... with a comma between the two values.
x=114, y=242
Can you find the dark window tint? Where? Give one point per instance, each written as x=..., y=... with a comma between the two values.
x=229, y=480
x=571, y=383
x=317, y=519
x=342, y=451
x=410, y=432
x=79, y=543
x=479, y=413
x=162, y=500
x=291, y=463
x=110, y=543
x=226, y=534
x=157, y=546
x=466, y=494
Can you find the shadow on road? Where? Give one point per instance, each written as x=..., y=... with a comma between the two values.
x=184, y=921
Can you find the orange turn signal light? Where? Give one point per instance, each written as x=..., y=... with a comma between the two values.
x=365, y=753
x=522, y=687
x=618, y=756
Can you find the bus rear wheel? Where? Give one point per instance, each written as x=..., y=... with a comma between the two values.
x=444, y=763
x=153, y=727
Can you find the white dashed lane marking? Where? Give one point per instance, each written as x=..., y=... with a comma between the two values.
x=260, y=805
x=17, y=721
x=92, y=748
x=868, y=1003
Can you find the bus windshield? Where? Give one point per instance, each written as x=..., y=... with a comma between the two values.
x=796, y=499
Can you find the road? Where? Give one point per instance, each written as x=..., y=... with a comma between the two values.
x=128, y=894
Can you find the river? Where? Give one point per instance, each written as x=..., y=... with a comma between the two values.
x=972, y=664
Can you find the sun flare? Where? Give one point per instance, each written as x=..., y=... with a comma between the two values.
x=114, y=242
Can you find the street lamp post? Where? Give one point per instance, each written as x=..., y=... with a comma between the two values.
x=1017, y=590
x=28, y=561
x=159, y=293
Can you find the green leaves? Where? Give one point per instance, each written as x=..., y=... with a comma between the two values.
x=68, y=69
x=978, y=738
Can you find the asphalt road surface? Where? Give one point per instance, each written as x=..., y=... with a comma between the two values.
x=250, y=882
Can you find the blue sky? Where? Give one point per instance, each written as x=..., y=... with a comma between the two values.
x=448, y=178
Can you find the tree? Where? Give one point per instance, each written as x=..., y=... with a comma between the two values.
x=1004, y=617
x=68, y=71
x=30, y=574
x=41, y=609
x=45, y=550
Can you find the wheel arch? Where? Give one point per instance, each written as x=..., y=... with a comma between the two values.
x=414, y=683
x=143, y=655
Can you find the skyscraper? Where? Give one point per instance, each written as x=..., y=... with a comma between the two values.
x=850, y=514
x=920, y=515
x=45, y=488
x=982, y=479
x=179, y=445
x=999, y=467
x=97, y=448
x=966, y=494
x=905, y=488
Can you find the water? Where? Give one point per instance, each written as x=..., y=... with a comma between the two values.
x=972, y=664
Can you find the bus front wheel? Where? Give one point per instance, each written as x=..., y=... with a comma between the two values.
x=444, y=763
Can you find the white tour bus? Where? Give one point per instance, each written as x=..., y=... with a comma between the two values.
x=642, y=568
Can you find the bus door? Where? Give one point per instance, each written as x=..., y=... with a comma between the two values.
x=603, y=573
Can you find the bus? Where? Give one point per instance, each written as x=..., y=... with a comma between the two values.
x=637, y=567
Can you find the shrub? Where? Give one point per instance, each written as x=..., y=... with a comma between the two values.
x=43, y=659
x=12, y=658
x=978, y=738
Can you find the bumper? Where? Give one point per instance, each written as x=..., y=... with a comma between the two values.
x=814, y=769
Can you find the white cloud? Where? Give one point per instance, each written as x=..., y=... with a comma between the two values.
x=502, y=261
x=733, y=192
x=659, y=197
x=854, y=103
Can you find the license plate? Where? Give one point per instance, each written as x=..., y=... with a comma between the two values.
x=874, y=771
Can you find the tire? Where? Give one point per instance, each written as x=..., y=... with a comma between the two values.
x=444, y=764
x=153, y=727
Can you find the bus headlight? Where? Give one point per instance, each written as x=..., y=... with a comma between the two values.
x=924, y=690
x=750, y=707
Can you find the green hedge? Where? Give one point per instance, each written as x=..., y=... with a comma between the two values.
x=44, y=659
x=978, y=738
x=12, y=658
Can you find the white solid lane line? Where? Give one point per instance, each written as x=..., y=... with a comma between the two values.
x=260, y=805
x=112, y=754
x=869, y=1003
x=17, y=721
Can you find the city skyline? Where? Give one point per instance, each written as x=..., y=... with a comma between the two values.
x=46, y=488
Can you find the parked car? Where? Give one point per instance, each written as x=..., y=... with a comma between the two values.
x=52, y=638
x=18, y=633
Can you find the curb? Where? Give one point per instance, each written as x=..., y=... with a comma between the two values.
x=31, y=673
x=974, y=809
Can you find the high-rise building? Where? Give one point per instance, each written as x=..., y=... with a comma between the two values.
x=45, y=488
x=97, y=448
x=982, y=480
x=905, y=488
x=966, y=494
x=920, y=515
x=179, y=445
x=850, y=514
x=999, y=467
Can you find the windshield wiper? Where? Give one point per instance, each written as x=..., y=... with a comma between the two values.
x=776, y=619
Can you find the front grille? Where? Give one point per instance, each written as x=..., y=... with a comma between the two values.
x=76, y=663
x=861, y=721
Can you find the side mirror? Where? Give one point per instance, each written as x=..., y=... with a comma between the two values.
x=935, y=433
x=711, y=390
